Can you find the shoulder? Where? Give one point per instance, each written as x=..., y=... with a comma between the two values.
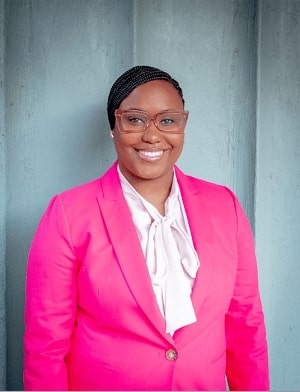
x=84, y=199
x=72, y=205
x=217, y=201
x=90, y=190
x=86, y=190
x=210, y=191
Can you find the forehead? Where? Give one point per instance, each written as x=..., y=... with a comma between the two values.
x=155, y=95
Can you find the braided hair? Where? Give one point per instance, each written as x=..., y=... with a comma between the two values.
x=131, y=79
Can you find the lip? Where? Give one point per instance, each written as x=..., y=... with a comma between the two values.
x=150, y=155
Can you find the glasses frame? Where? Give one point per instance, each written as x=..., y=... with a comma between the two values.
x=118, y=114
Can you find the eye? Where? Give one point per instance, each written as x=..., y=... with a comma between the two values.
x=167, y=121
x=135, y=120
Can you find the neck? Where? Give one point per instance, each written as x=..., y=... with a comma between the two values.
x=155, y=191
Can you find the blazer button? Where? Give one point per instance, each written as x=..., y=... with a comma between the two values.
x=171, y=354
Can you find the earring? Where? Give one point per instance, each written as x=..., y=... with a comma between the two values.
x=111, y=134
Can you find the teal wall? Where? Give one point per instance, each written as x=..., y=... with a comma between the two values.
x=277, y=212
x=238, y=62
x=2, y=204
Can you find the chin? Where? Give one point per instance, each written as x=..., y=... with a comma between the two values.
x=152, y=174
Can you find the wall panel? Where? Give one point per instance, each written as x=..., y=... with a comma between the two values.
x=62, y=57
x=211, y=46
x=278, y=185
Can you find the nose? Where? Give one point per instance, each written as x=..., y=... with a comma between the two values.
x=152, y=134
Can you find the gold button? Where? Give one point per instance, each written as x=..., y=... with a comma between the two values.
x=171, y=354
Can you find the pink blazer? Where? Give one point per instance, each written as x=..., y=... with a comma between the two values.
x=91, y=317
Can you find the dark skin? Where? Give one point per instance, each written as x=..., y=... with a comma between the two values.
x=147, y=159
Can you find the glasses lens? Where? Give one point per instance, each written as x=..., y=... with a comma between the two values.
x=170, y=121
x=134, y=121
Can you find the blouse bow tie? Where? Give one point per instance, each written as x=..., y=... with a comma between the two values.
x=171, y=260
x=168, y=248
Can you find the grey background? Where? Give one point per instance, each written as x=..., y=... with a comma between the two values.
x=238, y=64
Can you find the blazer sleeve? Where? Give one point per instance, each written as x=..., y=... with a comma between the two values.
x=247, y=353
x=50, y=302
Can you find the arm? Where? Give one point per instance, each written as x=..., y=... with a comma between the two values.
x=247, y=353
x=50, y=305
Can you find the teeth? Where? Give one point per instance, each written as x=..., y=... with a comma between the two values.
x=151, y=154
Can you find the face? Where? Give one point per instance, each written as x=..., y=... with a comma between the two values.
x=149, y=155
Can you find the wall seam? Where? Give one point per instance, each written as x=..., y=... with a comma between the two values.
x=134, y=41
x=257, y=109
x=3, y=201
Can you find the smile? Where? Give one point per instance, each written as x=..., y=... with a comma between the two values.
x=150, y=155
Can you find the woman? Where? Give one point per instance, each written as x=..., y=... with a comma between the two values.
x=144, y=279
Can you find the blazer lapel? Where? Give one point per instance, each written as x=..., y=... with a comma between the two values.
x=127, y=247
x=195, y=203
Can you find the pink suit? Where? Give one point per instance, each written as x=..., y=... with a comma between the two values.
x=92, y=320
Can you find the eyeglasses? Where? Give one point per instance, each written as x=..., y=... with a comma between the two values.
x=168, y=121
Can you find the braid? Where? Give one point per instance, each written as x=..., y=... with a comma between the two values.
x=131, y=79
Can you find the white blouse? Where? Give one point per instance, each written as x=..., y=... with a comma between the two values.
x=169, y=252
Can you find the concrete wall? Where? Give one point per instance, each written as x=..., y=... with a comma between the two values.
x=238, y=64
x=2, y=201
x=278, y=185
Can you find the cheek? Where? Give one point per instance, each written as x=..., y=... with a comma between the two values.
x=123, y=145
x=177, y=142
x=126, y=139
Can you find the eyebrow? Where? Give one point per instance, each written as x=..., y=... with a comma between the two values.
x=160, y=111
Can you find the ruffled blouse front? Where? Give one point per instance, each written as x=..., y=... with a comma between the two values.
x=169, y=252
